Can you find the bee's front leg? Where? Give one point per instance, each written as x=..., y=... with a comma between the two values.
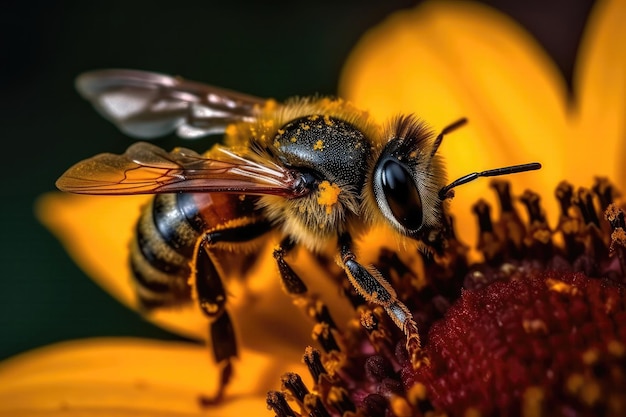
x=374, y=288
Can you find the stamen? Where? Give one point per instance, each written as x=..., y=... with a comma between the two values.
x=293, y=383
x=605, y=191
x=531, y=200
x=313, y=360
x=276, y=401
x=510, y=227
x=313, y=403
x=488, y=242
x=615, y=217
x=564, y=194
x=323, y=335
x=584, y=201
x=339, y=399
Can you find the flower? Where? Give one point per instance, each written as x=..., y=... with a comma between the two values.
x=442, y=60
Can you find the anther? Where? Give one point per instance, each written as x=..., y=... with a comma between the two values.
x=605, y=191
x=615, y=217
x=564, y=194
x=293, y=383
x=323, y=335
x=313, y=360
x=531, y=200
x=584, y=201
x=488, y=242
x=313, y=403
x=503, y=190
x=339, y=399
x=276, y=402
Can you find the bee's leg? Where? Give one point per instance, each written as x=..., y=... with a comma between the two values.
x=212, y=296
x=374, y=288
x=313, y=307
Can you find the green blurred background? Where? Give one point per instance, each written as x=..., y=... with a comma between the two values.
x=291, y=48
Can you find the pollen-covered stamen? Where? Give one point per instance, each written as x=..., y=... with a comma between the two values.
x=323, y=334
x=568, y=225
x=564, y=194
x=276, y=402
x=489, y=243
x=605, y=191
x=293, y=383
x=584, y=201
x=313, y=360
x=313, y=404
x=539, y=238
x=339, y=399
x=509, y=227
x=532, y=202
x=595, y=245
x=617, y=247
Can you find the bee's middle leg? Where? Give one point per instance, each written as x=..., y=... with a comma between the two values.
x=315, y=308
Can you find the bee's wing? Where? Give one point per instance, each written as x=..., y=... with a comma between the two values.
x=148, y=169
x=147, y=105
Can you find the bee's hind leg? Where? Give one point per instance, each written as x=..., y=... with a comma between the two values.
x=211, y=297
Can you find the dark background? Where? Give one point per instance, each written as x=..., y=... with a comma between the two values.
x=279, y=51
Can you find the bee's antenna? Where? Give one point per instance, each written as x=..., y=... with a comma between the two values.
x=443, y=193
x=451, y=127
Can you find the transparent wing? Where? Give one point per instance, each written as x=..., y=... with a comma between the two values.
x=148, y=169
x=147, y=105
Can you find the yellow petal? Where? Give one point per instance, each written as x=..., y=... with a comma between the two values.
x=600, y=88
x=123, y=377
x=96, y=232
x=445, y=60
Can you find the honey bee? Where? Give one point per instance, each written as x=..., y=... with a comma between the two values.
x=318, y=170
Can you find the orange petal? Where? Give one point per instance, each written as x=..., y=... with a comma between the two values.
x=600, y=87
x=96, y=232
x=123, y=377
x=445, y=60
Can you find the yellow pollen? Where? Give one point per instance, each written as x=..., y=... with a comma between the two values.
x=231, y=130
x=306, y=127
x=616, y=348
x=293, y=139
x=416, y=393
x=328, y=195
x=314, y=117
x=575, y=383
x=281, y=132
x=560, y=286
x=590, y=356
x=319, y=145
x=276, y=144
x=532, y=401
x=472, y=412
x=400, y=406
x=270, y=105
x=327, y=120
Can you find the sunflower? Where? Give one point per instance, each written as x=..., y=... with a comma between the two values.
x=530, y=320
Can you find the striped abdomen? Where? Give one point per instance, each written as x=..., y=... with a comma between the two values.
x=165, y=242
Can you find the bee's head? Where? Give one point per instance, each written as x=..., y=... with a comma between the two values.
x=407, y=177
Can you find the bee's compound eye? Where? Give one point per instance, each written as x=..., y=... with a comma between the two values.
x=401, y=194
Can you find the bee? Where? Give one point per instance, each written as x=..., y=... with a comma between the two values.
x=317, y=169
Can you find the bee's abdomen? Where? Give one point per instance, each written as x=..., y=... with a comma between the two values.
x=162, y=249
